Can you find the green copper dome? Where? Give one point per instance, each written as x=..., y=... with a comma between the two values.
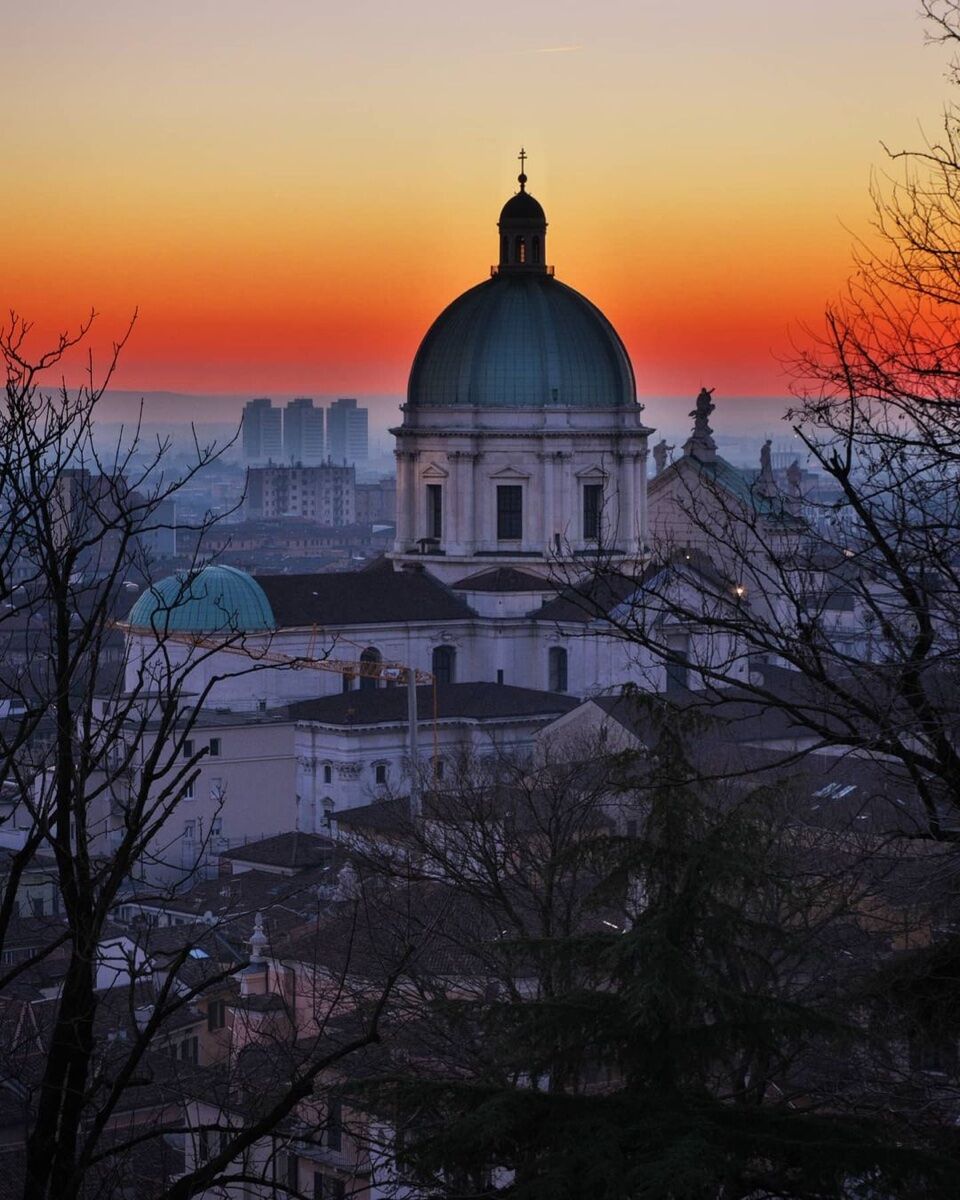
x=522, y=340
x=215, y=599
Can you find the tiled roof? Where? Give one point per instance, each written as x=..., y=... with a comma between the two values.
x=294, y=850
x=588, y=599
x=740, y=484
x=504, y=579
x=470, y=701
x=374, y=597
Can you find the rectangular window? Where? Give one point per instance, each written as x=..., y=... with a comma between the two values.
x=678, y=655
x=592, y=507
x=328, y=1187
x=557, y=663
x=509, y=513
x=216, y=1015
x=334, y=1126
x=214, y=747
x=188, y=748
x=434, y=510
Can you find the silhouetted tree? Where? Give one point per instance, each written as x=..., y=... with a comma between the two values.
x=650, y=987
x=95, y=761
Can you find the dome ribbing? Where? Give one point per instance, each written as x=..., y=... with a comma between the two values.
x=215, y=599
x=522, y=341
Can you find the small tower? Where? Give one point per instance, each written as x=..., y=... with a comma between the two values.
x=255, y=975
x=523, y=230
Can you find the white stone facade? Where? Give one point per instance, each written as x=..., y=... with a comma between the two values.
x=552, y=455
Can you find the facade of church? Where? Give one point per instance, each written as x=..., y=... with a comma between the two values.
x=522, y=482
x=521, y=458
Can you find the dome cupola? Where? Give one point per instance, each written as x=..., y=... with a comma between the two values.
x=523, y=230
x=214, y=599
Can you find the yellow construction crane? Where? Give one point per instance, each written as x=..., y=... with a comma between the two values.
x=390, y=672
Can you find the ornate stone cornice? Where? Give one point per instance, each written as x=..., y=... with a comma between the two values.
x=521, y=434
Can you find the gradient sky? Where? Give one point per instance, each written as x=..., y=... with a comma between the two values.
x=290, y=191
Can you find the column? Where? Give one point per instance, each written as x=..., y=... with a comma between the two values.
x=567, y=525
x=628, y=513
x=547, y=492
x=452, y=539
x=641, y=497
x=468, y=537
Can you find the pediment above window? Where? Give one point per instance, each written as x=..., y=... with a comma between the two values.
x=433, y=471
x=505, y=474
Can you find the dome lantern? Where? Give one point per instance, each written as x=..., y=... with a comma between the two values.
x=523, y=230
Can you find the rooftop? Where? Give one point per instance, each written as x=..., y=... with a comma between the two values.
x=467, y=701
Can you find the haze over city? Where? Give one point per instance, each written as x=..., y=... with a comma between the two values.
x=289, y=194
x=480, y=601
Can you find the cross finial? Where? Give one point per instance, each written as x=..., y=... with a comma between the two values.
x=522, y=178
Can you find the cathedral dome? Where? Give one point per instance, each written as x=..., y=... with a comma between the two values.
x=522, y=340
x=215, y=599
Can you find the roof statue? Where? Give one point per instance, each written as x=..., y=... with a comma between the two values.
x=766, y=484
x=661, y=452
x=700, y=445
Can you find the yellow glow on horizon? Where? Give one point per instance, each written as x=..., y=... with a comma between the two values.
x=290, y=194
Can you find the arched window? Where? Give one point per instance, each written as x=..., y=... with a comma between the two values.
x=557, y=663
x=444, y=664
x=535, y=250
x=519, y=250
x=380, y=773
x=370, y=655
x=327, y=773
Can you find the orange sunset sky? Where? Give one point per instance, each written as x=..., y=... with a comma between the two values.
x=290, y=192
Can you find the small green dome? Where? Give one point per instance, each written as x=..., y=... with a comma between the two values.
x=215, y=599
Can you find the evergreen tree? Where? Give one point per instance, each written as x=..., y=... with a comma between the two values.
x=683, y=1032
